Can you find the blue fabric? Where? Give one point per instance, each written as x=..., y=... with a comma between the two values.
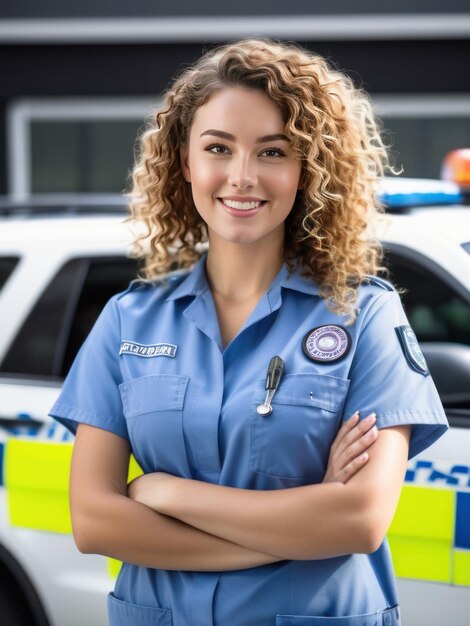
x=192, y=412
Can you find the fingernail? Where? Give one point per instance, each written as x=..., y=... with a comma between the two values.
x=354, y=416
x=371, y=418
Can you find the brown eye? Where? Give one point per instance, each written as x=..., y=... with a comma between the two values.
x=274, y=152
x=216, y=149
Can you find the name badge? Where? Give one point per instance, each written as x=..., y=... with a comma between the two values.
x=148, y=350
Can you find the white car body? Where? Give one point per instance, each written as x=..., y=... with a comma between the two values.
x=72, y=587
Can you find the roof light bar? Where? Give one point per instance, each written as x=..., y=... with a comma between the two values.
x=401, y=193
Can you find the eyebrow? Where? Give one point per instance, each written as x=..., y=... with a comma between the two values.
x=264, y=139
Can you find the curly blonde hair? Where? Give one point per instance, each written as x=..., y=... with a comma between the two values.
x=332, y=131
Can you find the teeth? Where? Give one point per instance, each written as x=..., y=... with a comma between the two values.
x=241, y=206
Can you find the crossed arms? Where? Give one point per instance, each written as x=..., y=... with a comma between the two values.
x=168, y=522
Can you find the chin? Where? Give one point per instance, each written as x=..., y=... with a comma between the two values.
x=247, y=236
x=240, y=238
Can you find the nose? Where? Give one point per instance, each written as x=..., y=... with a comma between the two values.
x=243, y=173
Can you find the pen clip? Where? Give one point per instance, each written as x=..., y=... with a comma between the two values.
x=273, y=378
x=275, y=372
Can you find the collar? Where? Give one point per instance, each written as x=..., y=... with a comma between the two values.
x=196, y=283
x=297, y=282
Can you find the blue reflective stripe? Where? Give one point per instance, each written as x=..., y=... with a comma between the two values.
x=426, y=464
x=462, y=521
x=449, y=480
x=423, y=472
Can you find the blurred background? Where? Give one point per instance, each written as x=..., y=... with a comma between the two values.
x=79, y=78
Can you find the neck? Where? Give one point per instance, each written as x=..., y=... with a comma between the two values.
x=239, y=273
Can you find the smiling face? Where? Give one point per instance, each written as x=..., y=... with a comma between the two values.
x=243, y=174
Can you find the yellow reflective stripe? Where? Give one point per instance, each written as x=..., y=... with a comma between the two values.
x=422, y=533
x=421, y=559
x=462, y=567
x=425, y=512
x=37, y=484
x=113, y=567
x=134, y=469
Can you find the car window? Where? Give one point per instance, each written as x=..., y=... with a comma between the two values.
x=62, y=318
x=103, y=280
x=7, y=265
x=436, y=311
x=60, y=321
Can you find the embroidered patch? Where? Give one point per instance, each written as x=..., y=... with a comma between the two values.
x=411, y=350
x=327, y=344
x=154, y=349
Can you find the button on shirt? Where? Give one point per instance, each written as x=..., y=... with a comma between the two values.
x=153, y=371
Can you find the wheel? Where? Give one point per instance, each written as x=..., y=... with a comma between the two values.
x=13, y=608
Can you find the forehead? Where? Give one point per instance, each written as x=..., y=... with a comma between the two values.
x=239, y=110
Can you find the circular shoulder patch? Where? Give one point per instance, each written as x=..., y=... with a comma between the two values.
x=327, y=344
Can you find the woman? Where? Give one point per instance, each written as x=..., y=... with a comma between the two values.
x=251, y=511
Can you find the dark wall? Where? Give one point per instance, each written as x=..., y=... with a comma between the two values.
x=142, y=8
x=145, y=70
x=378, y=66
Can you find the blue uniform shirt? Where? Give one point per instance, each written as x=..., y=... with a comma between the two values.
x=153, y=371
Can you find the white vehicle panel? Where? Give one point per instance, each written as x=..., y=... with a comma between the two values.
x=412, y=231
x=425, y=603
x=73, y=586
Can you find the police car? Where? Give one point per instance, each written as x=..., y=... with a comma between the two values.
x=62, y=258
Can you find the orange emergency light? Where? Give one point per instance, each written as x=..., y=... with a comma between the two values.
x=456, y=167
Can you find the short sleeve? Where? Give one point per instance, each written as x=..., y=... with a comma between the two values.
x=390, y=378
x=90, y=393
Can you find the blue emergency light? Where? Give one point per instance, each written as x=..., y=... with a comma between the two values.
x=400, y=193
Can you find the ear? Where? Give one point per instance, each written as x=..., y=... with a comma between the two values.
x=184, y=162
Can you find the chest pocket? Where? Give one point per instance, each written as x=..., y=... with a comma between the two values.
x=294, y=440
x=153, y=408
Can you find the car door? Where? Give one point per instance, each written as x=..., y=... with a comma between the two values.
x=430, y=534
x=35, y=450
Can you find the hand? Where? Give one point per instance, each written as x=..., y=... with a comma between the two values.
x=152, y=489
x=347, y=452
